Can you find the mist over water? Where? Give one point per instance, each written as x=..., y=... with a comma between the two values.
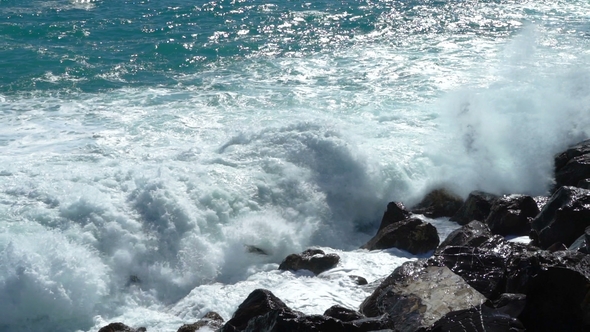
x=144, y=146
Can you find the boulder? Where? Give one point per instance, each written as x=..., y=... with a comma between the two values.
x=262, y=311
x=471, y=235
x=582, y=244
x=314, y=260
x=343, y=314
x=573, y=165
x=211, y=321
x=412, y=235
x=439, y=203
x=358, y=280
x=477, y=319
x=512, y=215
x=563, y=219
x=477, y=207
x=482, y=267
x=258, y=303
x=416, y=295
x=557, y=286
x=120, y=327
x=395, y=212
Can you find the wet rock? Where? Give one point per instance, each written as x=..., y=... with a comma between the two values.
x=276, y=321
x=509, y=303
x=258, y=303
x=483, y=267
x=120, y=327
x=477, y=319
x=541, y=201
x=262, y=311
x=582, y=244
x=584, y=184
x=573, y=165
x=358, y=280
x=512, y=215
x=477, y=207
x=314, y=260
x=211, y=321
x=255, y=250
x=395, y=212
x=563, y=219
x=343, y=314
x=416, y=295
x=471, y=235
x=439, y=203
x=557, y=286
x=557, y=246
x=412, y=235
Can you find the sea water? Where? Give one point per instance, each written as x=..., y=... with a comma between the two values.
x=146, y=145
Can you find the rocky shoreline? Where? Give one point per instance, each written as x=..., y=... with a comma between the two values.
x=475, y=280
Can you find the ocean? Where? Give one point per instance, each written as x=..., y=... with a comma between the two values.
x=145, y=145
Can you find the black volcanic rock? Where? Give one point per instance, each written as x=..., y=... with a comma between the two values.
x=314, y=260
x=483, y=267
x=477, y=207
x=477, y=319
x=573, y=165
x=211, y=321
x=471, y=235
x=582, y=244
x=395, y=212
x=258, y=303
x=557, y=286
x=412, y=235
x=512, y=215
x=343, y=314
x=262, y=311
x=439, y=203
x=416, y=295
x=563, y=219
x=120, y=327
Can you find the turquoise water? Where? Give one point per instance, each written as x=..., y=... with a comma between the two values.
x=155, y=139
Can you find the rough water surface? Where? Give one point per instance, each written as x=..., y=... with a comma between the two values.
x=145, y=145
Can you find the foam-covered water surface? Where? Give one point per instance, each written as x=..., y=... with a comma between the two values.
x=145, y=145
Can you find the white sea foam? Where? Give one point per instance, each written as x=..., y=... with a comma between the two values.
x=136, y=204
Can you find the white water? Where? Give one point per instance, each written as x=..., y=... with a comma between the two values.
x=168, y=185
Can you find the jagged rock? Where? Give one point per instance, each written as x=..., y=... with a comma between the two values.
x=477, y=319
x=476, y=207
x=512, y=215
x=563, y=219
x=262, y=311
x=582, y=244
x=343, y=314
x=120, y=327
x=439, y=203
x=482, y=267
x=471, y=235
x=211, y=320
x=412, y=235
x=557, y=286
x=416, y=295
x=572, y=165
x=358, y=280
x=509, y=303
x=314, y=260
x=258, y=303
x=255, y=250
x=395, y=212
